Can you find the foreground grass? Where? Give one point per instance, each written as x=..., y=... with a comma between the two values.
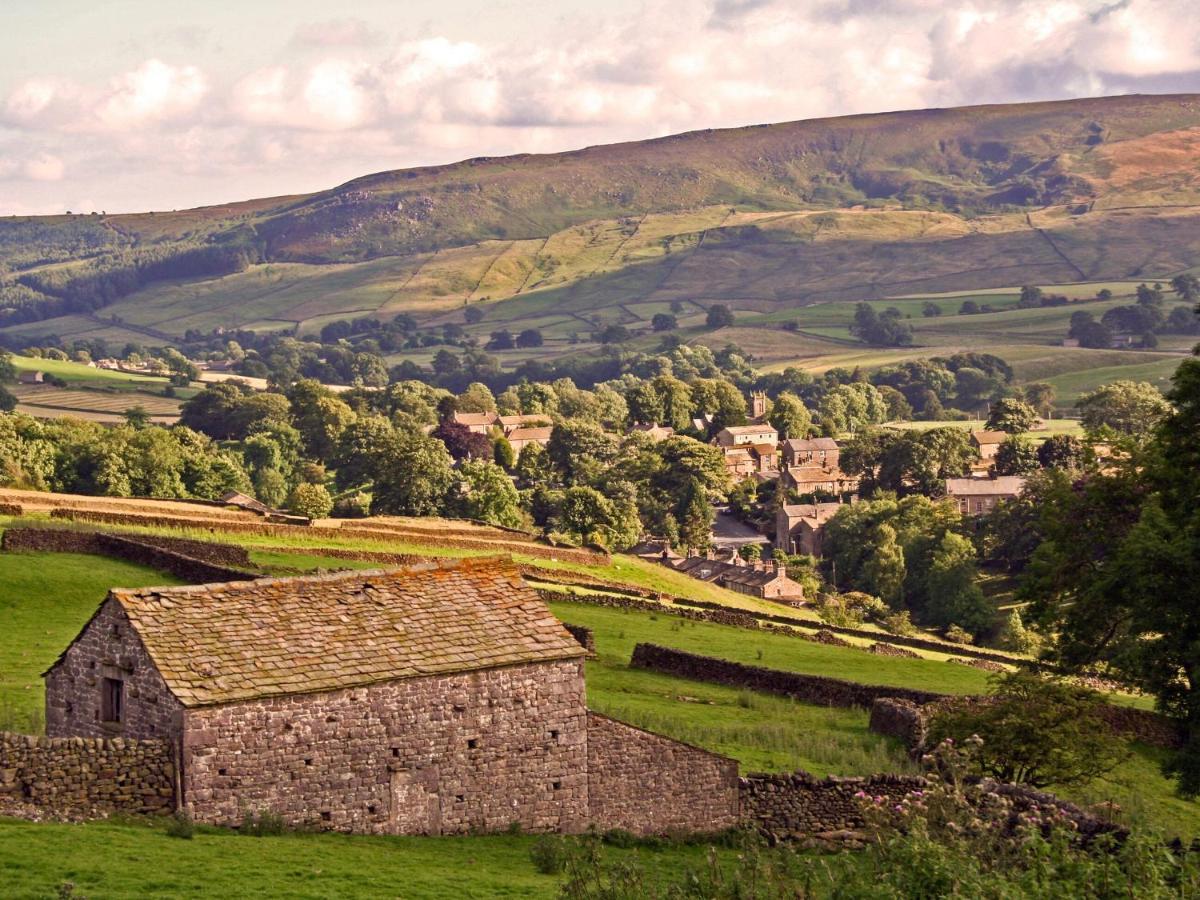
x=45, y=598
x=135, y=860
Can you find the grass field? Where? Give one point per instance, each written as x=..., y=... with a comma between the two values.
x=123, y=861
x=44, y=600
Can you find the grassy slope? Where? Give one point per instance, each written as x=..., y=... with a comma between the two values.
x=44, y=600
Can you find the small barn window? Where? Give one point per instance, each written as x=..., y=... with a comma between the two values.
x=112, y=699
x=472, y=743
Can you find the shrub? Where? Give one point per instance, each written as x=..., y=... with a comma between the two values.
x=899, y=623
x=549, y=854
x=311, y=500
x=181, y=826
x=352, y=506
x=1033, y=730
x=957, y=635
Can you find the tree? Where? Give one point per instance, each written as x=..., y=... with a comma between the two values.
x=1040, y=395
x=719, y=316
x=357, y=458
x=954, y=594
x=1187, y=286
x=930, y=310
x=502, y=453
x=696, y=517
x=664, y=322
x=584, y=513
x=1117, y=576
x=477, y=398
x=473, y=315
x=1061, y=451
x=790, y=417
x=486, y=493
x=310, y=500
x=1094, y=335
x=1011, y=416
x=530, y=337
x=501, y=340
x=414, y=473
x=137, y=417
x=1015, y=457
x=750, y=552
x=884, y=571
x=1031, y=297
x=1036, y=730
x=886, y=330
x=462, y=442
x=1126, y=407
x=614, y=334
x=580, y=450
x=446, y=363
x=968, y=308
x=319, y=416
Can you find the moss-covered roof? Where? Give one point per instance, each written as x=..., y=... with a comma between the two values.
x=219, y=643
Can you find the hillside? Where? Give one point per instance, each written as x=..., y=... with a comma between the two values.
x=766, y=219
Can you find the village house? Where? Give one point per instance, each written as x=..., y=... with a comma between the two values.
x=741, y=435
x=806, y=480
x=987, y=443
x=30, y=377
x=436, y=699
x=479, y=423
x=765, y=580
x=977, y=496
x=520, y=438
x=752, y=460
x=510, y=423
x=823, y=452
x=799, y=527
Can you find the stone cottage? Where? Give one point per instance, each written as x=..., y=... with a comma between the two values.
x=439, y=698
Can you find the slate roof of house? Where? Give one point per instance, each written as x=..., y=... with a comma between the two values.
x=820, y=512
x=749, y=429
x=1002, y=486
x=540, y=433
x=989, y=437
x=518, y=421
x=814, y=475
x=801, y=444
x=220, y=643
x=469, y=419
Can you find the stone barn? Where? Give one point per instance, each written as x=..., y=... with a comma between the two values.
x=440, y=698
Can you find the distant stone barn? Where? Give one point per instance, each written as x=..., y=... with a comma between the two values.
x=439, y=698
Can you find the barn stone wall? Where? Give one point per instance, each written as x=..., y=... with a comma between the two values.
x=650, y=784
x=86, y=777
x=437, y=755
x=109, y=647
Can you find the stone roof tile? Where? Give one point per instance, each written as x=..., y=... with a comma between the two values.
x=244, y=640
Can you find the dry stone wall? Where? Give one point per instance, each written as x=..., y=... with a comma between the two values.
x=436, y=755
x=82, y=777
x=815, y=689
x=195, y=562
x=650, y=784
x=798, y=805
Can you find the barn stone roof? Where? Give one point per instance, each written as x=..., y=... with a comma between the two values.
x=220, y=643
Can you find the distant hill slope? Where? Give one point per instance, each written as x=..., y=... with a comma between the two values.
x=764, y=218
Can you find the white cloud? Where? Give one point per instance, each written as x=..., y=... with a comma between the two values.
x=155, y=91
x=345, y=101
x=44, y=167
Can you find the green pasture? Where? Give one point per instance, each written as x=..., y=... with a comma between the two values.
x=45, y=598
x=132, y=860
x=79, y=374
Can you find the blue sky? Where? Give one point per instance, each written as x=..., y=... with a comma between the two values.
x=127, y=104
